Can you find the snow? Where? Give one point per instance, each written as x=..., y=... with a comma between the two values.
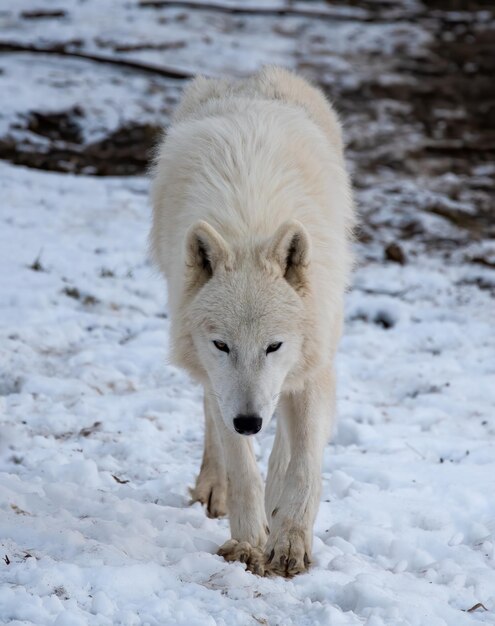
x=101, y=438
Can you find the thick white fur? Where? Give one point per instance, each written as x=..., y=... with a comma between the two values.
x=251, y=227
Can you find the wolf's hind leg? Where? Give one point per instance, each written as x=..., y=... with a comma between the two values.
x=211, y=484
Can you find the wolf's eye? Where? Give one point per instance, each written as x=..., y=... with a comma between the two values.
x=273, y=347
x=220, y=345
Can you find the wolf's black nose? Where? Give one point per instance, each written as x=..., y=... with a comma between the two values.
x=247, y=424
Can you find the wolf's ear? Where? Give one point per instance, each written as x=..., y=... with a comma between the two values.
x=290, y=249
x=206, y=251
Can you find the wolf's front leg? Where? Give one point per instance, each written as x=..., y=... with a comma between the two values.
x=248, y=526
x=308, y=415
x=211, y=484
x=277, y=466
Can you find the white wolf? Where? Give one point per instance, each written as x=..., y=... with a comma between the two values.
x=251, y=227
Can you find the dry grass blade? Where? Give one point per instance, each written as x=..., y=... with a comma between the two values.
x=85, y=432
x=477, y=606
x=119, y=480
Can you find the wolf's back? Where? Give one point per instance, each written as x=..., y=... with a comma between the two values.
x=270, y=83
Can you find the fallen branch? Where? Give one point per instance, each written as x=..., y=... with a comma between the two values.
x=260, y=10
x=59, y=50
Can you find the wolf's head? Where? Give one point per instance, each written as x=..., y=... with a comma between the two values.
x=246, y=319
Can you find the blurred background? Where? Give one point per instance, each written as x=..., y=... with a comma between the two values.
x=88, y=85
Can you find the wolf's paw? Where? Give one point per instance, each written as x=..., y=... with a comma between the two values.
x=211, y=491
x=244, y=552
x=287, y=553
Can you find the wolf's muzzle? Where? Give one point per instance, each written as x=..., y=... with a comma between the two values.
x=248, y=424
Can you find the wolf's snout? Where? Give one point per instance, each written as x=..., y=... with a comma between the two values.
x=247, y=424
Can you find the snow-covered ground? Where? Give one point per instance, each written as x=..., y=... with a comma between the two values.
x=100, y=438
